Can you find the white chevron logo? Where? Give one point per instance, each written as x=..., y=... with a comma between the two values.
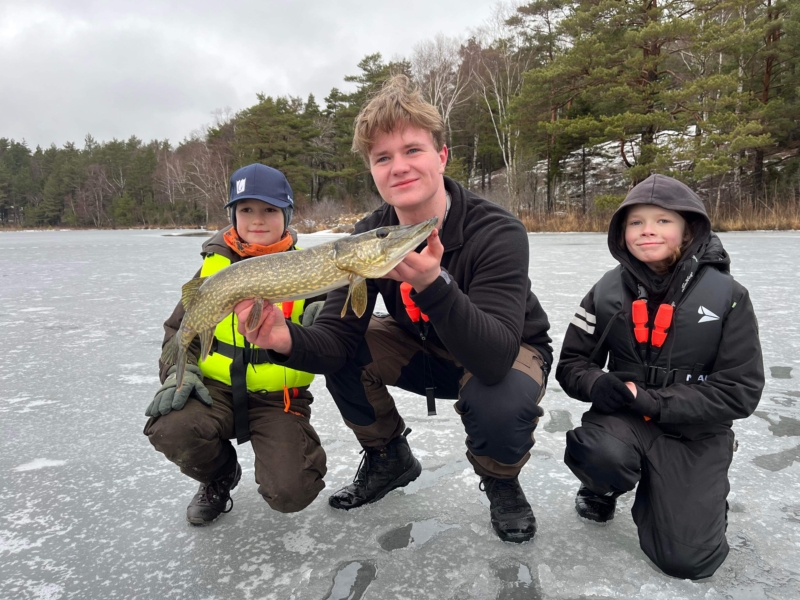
x=707, y=315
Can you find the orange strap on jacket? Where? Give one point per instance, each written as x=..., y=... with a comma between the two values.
x=414, y=313
x=639, y=314
x=661, y=324
x=287, y=308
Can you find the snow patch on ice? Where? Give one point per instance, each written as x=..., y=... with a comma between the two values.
x=35, y=403
x=139, y=379
x=39, y=463
x=48, y=591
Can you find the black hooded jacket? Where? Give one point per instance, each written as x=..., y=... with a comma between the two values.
x=731, y=387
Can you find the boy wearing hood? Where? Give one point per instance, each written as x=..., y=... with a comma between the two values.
x=679, y=339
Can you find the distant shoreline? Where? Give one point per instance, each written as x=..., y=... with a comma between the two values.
x=198, y=232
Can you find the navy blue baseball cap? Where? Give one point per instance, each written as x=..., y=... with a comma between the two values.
x=260, y=182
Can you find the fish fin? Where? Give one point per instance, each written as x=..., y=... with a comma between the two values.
x=255, y=315
x=206, y=337
x=358, y=299
x=170, y=351
x=349, y=292
x=189, y=291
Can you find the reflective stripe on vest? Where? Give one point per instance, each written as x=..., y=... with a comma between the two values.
x=263, y=377
x=692, y=343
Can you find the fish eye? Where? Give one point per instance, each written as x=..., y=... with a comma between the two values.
x=382, y=232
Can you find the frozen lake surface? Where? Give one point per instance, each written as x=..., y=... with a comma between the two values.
x=90, y=510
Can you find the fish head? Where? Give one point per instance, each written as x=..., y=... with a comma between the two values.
x=374, y=253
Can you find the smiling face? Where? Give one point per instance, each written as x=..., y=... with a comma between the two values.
x=654, y=235
x=259, y=222
x=408, y=170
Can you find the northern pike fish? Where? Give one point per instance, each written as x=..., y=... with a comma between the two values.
x=289, y=276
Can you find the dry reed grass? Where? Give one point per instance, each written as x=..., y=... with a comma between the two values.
x=340, y=217
x=780, y=217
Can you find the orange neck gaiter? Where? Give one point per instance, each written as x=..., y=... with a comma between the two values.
x=246, y=249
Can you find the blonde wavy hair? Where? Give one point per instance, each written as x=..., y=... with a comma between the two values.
x=398, y=104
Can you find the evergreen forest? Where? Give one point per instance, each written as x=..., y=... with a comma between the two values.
x=553, y=108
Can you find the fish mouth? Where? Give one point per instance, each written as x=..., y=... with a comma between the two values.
x=403, y=240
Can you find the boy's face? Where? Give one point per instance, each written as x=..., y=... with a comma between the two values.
x=259, y=222
x=407, y=168
x=653, y=234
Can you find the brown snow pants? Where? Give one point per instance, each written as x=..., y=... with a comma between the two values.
x=289, y=459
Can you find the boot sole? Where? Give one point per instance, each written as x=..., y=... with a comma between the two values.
x=197, y=522
x=592, y=519
x=400, y=482
x=516, y=538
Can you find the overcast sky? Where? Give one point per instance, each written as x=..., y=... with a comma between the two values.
x=158, y=69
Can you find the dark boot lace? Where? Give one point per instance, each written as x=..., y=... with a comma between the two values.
x=215, y=496
x=504, y=494
x=374, y=462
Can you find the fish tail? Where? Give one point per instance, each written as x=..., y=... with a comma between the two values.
x=174, y=352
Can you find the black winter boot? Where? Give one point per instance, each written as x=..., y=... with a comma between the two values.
x=595, y=507
x=512, y=516
x=212, y=499
x=381, y=471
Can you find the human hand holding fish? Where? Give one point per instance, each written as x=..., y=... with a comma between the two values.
x=421, y=270
x=271, y=332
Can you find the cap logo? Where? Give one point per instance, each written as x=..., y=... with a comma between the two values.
x=240, y=185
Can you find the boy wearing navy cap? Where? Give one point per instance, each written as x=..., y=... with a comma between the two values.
x=236, y=392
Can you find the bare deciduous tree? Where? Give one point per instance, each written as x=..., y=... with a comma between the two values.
x=436, y=68
x=498, y=73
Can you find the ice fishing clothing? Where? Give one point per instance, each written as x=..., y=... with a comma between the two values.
x=289, y=460
x=487, y=343
x=708, y=373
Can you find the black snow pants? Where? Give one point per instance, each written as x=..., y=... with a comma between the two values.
x=499, y=419
x=680, y=508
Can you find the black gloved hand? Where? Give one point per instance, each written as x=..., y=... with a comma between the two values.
x=311, y=313
x=168, y=398
x=646, y=405
x=609, y=393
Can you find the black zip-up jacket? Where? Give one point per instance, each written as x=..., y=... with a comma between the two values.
x=480, y=316
x=733, y=388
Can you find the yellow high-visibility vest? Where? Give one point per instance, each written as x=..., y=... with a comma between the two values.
x=264, y=377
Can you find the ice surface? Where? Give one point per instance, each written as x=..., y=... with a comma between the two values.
x=90, y=510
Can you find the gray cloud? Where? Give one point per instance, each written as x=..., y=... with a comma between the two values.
x=158, y=70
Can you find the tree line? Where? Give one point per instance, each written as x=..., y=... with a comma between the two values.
x=551, y=106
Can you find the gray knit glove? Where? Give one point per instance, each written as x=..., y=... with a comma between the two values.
x=167, y=398
x=311, y=313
